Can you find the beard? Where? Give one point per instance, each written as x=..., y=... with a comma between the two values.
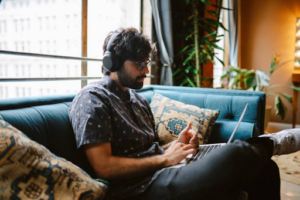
x=128, y=81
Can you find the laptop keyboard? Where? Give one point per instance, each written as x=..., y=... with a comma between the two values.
x=203, y=150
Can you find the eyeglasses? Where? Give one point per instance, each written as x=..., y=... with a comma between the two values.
x=141, y=65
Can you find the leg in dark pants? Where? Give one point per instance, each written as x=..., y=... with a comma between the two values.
x=266, y=185
x=227, y=170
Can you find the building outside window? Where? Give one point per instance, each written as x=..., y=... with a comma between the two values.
x=41, y=26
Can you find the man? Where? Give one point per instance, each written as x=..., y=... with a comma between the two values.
x=115, y=126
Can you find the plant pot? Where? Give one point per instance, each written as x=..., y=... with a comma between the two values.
x=267, y=115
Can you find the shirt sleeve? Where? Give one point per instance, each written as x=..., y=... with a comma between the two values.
x=90, y=118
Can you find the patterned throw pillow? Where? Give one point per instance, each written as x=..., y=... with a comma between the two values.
x=29, y=171
x=171, y=117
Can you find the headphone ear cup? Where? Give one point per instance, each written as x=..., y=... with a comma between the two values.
x=108, y=60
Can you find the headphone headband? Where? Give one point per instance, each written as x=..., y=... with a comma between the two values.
x=111, y=40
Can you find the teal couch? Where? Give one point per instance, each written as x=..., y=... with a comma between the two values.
x=45, y=119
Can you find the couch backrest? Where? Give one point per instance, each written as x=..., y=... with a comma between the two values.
x=231, y=103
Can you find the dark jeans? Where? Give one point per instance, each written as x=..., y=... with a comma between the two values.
x=240, y=166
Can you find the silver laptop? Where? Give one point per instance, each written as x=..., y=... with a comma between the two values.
x=205, y=149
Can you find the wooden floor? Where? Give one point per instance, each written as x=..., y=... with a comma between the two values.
x=290, y=191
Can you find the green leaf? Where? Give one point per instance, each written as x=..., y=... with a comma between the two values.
x=206, y=2
x=195, y=71
x=217, y=47
x=190, y=82
x=235, y=82
x=250, y=73
x=280, y=108
x=187, y=70
x=250, y=82
x=272, y=66
x=211, y=80
x=221, y=61
x=295, y=88
x=235, y=69
x=287, y=97
x=176, y=72
x=261, y=88
x=183, y=82
x=220, y=35
x=212, y=33
x=183, y=50
x=262, y=78
x=211, y=12
x=217, y=6
x=224, y=76
x=189, y=58
x=223, y=27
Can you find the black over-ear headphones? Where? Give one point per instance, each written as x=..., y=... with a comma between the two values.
x=108, y=59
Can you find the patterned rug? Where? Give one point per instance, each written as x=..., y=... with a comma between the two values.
x=289, y=166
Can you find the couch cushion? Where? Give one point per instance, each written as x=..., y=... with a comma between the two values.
x=171, y=117
x=30, y=171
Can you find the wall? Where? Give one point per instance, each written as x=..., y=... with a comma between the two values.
x=268, y=27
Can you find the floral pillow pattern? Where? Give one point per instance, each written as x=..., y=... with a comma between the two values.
x=30, y=171
x=171, y=117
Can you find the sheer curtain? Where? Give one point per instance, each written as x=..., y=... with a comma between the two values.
x=233, y=32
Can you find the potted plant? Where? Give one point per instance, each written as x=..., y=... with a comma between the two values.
x=195, y=25
x=258, y=80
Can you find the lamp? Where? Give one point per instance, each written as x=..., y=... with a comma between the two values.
x=297, y=45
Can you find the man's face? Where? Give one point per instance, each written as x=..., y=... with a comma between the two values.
x=131, y=76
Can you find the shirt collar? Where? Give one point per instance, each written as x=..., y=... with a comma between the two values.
x=113, y=87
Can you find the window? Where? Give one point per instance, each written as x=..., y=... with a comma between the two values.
x=4, y=26
x=126, y=14
x=22, y=24
x=52, y=30
x=17, y=91
x=16, y=25
x=23, y=92
x=23, y=70
x=17, y=70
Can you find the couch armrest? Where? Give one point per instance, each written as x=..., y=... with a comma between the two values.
x=222, y=130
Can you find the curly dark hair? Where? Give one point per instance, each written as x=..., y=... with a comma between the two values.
x=130, y=44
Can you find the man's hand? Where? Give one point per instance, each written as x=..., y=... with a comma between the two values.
x=189, y=136
x=177, y=152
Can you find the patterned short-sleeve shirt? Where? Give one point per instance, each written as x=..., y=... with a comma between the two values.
x=102, y=112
